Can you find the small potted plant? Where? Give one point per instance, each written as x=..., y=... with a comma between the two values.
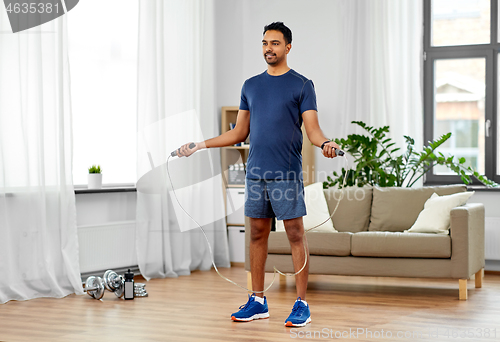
x=95, y=177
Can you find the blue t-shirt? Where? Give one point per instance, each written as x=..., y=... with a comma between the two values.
x=276, y=104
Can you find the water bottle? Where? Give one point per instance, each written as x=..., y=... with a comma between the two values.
x=129, y=285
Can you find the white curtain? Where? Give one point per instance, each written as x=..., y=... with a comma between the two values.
x=175, y=106
x=380, y=67
x=38, y=237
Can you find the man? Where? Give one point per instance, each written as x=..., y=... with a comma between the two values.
x=272, y=108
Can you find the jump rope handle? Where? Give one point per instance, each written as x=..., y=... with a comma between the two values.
x=337, y=151
x=174, y=153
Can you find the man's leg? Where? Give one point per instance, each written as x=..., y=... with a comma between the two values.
x=257, y=204
x=259, y=234
x=256, y=307
x=295, y=232
x=301, y=315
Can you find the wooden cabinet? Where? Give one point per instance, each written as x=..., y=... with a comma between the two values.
x=231, y=154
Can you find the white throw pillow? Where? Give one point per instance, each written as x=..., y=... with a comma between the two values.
x=435, y=218
x=317, y=210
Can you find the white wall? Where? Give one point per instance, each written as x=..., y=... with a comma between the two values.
x=314, y=53
x=229, y=53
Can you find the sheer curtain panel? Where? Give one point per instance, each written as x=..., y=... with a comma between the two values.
x=379, y=67
x=175, y=106
x=38, y=237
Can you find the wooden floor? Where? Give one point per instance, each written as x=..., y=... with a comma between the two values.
x=198, y=308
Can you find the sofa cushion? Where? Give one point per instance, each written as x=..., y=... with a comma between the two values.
x=317, y=211
x=396, y=209
x=320, y=243
x=435, y=218
x=400, y=245
x=353, y=213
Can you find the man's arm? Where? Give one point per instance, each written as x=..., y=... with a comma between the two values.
x=238, y=134
x=315, y=135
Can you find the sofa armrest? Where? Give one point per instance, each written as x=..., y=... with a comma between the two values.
x=467, y=240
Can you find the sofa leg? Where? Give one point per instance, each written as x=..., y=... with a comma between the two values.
x=462, y=289
x=282, y=280
x=479, y=278
x=249, y=281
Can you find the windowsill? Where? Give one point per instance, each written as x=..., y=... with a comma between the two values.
x=105, y=189
x=481, y=188
x=473, y=187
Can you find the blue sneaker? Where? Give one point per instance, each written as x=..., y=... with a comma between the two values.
x=251, y=310
x=300, y=316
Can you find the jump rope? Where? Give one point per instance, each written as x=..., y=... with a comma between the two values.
x=192, y=145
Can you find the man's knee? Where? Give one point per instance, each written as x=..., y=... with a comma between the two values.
x=294, y=230
x=259, y=229
x=258, y=235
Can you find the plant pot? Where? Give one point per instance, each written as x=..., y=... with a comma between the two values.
x=95, y=180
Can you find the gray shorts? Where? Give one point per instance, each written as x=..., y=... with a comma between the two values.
x=283, y=199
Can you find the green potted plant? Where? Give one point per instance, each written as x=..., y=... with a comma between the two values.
x=95, y=177
x=376, y=161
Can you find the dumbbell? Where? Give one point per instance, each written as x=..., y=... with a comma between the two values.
x=114, y=283
x=94, y=286
x=140, y=290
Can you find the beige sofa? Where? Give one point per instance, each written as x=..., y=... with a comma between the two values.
x=371, y=240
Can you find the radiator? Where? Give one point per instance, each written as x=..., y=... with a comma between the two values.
x=492, y=238
x=107, y=246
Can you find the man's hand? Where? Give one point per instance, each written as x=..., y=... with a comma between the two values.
x=185, y=151
x=329, y=149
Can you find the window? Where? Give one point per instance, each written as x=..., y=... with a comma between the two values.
x=103, y=67
x=461, y=56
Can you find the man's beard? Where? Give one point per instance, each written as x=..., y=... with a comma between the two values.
x=272, y=62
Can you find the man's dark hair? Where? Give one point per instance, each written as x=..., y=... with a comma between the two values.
x=279, y=26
